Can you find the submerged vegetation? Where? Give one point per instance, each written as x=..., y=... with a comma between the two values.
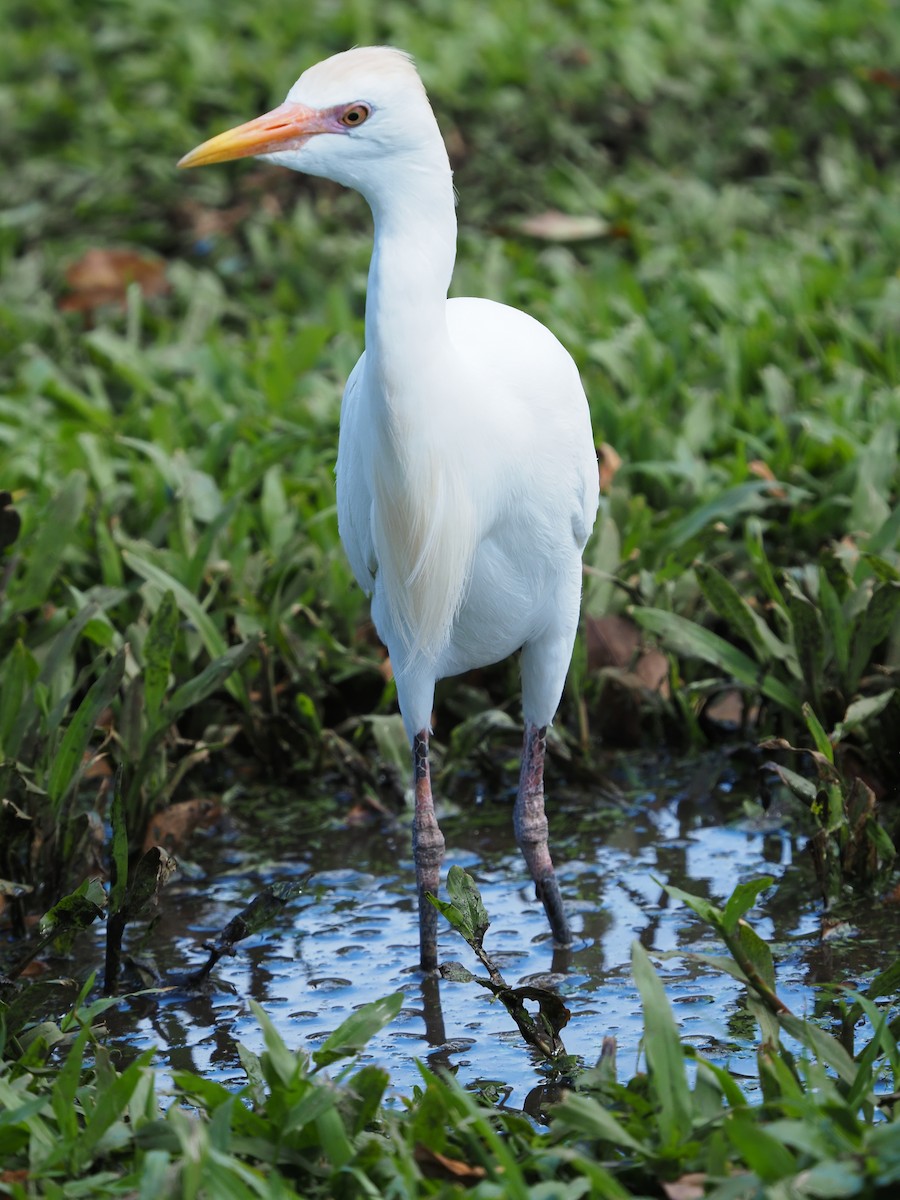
x=699, y=198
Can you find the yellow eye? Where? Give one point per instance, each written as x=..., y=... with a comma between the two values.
x=355, y=115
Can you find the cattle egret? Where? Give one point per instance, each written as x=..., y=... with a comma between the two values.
x=467, y=479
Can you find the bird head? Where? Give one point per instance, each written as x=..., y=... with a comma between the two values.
x=349, y=118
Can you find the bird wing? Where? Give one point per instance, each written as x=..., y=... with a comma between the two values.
x=354, y=494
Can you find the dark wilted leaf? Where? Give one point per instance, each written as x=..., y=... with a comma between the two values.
x=75, y=911
x=455, y=972
x=150, y=875
x=10, y=521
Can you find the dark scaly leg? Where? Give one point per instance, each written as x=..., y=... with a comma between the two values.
x=532, y=831
x=428, y=852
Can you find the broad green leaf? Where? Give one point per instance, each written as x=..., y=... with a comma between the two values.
x=742, y=900
x=210, y=678
x=693, y=641
x=464, y=894
x=753, y=541
x=871, y=627
x=119, y=848
x=17, y=673
x=819, y=736
x=585, y=1116
x=333, y=1138
x=451, y=913
x=724, y=598
x=728, y=1086
x=767, y=1157
x=860, y=712
x=367, y=1088
x=809, y=639
x=837, y=627
x=726, y=506
x=65, y=1087
x=826, y=1048
x=757, y=954
x=887, y=536
x=280, y=1067
x=705, y=909
x=351, y=1035
x=662, y=1046
x=112, y=1104
x=804, y=789
x=190, y=606
x=158, y=649
x=62, y=648
x=54, y=534
x=315, y=1102
x=75, y=741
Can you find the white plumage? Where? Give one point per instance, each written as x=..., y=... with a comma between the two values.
x=466, y=477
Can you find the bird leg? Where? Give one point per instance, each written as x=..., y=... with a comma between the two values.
x=428, y=852
x=532, y=831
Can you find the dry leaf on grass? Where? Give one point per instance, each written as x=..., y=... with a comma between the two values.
x=438, y=1166
x=610, y=461
x=688, y=1187
x=173, y=826
x=555, y=226
x=762, y=470
x=614, y=641
x=633, y=675
x=102, y=276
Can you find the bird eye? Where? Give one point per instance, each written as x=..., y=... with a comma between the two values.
x=355, y=115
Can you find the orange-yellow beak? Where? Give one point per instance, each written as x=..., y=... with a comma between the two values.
x=286, y=127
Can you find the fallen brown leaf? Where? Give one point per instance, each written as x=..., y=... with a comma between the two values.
x=688, y=1187
x=173, y=826
x=614, y=641
x=883, y=77
x=438, y=1166
x=610, y=461
x=102, y=276
x=209, y=222
x=731, y=708
x=762, y=470
x=555, y=226
x=633, y=675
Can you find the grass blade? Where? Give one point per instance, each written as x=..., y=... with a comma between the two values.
x=662, y=1046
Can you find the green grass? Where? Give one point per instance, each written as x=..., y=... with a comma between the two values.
x=178, y=591
x=818, y=1121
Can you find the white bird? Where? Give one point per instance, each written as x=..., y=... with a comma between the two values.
x=467, y=479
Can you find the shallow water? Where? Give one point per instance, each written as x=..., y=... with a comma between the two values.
x=352, y=936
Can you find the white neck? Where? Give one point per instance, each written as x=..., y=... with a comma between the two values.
x=412, y=263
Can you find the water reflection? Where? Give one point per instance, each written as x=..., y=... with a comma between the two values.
x=353, y=936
